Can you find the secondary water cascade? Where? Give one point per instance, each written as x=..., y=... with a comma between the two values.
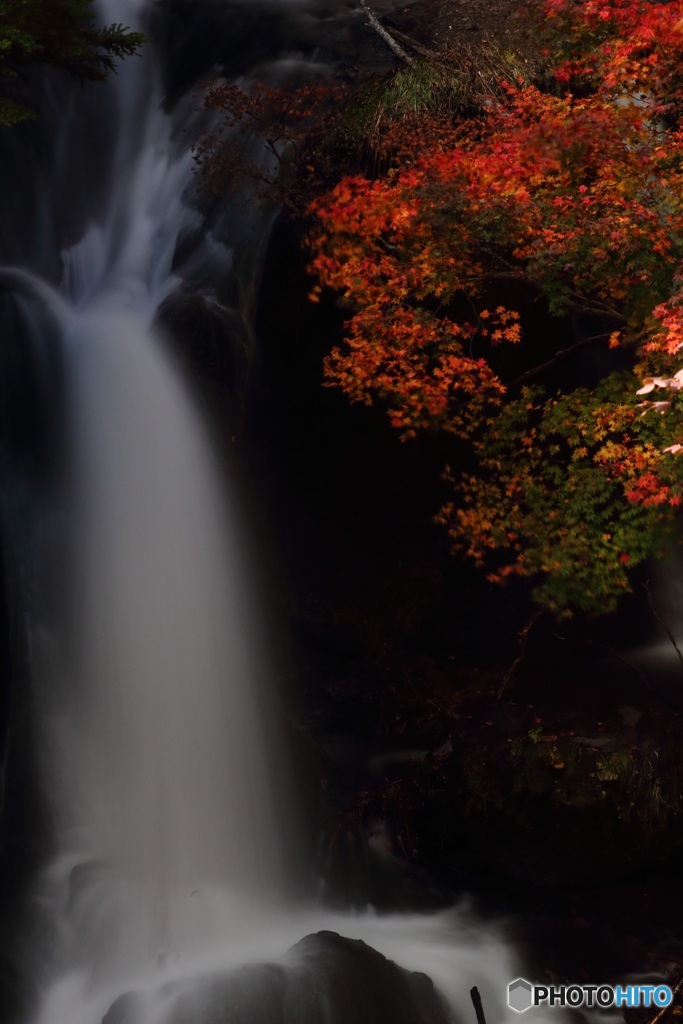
x=158, y=757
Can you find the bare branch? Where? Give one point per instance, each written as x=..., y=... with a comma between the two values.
x=424, y=51
x=523, y=642
x=386, y=36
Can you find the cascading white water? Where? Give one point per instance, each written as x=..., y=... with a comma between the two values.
x=157, y=762
x=157, y=757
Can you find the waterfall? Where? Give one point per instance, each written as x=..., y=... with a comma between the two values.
x=155, y=723
x=154, y=726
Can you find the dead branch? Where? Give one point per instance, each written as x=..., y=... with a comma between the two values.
x=386, y=36
x=424, y=51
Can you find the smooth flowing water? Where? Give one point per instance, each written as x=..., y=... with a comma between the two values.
x=158, y=755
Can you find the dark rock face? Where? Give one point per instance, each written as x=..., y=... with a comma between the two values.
x=127, y=1009
x=196, y=39
x=325, y=979
x=210, y=343
x=341, y=980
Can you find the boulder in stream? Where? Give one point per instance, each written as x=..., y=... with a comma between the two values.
x=324, y=979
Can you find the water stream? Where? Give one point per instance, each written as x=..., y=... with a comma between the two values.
x=153, y=689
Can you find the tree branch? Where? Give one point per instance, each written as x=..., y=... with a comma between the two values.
x=596, y=306
x=560, y=354
x=386, y=36
x=515, y=268
x=523, y=642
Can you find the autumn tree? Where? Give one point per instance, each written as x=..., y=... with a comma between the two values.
x=572, y=194
x=60, y=33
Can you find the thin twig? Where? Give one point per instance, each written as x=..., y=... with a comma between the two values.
x=672, y=638
x=386, y=36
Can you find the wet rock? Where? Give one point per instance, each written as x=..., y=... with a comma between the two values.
x=324, y=979
x=128, y=1009
x=255, y=994
x=361, y=985
x=211, y=344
